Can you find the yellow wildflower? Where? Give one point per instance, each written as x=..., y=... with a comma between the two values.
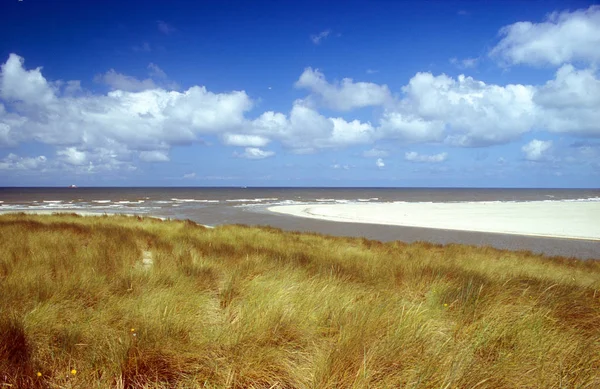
x=445, y=305
x=73, y=371
x=39, y=374
x=133, y=330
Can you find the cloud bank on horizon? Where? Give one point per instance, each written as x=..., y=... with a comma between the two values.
x=431, y=119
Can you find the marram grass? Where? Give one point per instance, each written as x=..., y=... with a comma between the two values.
x=239, y=307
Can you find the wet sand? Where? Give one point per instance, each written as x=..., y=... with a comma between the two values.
x=576, y=248
x=583, y=249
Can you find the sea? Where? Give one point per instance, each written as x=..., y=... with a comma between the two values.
x=212, y=206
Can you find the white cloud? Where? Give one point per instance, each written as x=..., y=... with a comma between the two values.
x=345, y=95
x=155, y=71
x=536, y=149
x=410, y=127
x=189, y=176
x=115, y=130
x=72, y=156
x=413, y=156
x=570, y=102
x=154, y=156
x=466, y=63
x=6, y=138
x=118, y=81
x=316, y=39
x=255, y=153
x=245, y=140
x=165, y=28
x=14, y=162
x=338, y=166
x=110, y=126
x=374, y=152
x=20, y=85
x=379, y=163
x=349, y=133
x=72, y=88
x=304, y=130
x=469, y=112
x=562, y=37
x=372, y=71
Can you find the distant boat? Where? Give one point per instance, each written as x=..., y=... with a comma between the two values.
x=73, y=186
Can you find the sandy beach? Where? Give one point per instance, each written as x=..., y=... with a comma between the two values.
x=558, y=219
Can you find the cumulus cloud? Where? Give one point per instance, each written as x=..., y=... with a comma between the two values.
x=338, y=166
x=317, y=38
x=379, y=163
x=472, y=112
x=140, y=120
x=563, y=37
x=112, y=125
x=245, y=140
x=536, y=149
x=304, y=130
x=156, y=71
x=26, y=86
x=571, y=102
x=410, y=127
x=374, y=152
x=14, y=162
x=73, y=156
x=118, y=81
x=154, y=156
x=345, y=95
x=255, y=153
x=464, y=63
x=413, y=156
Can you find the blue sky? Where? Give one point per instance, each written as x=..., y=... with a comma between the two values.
x=377, y=93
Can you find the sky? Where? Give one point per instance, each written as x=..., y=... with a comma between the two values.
x=300, y=93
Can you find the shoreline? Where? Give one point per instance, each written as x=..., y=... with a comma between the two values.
x=93, y=214
x=77, y=212
x=558, y=220
x=261, y=217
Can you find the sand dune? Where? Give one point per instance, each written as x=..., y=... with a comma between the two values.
x=564, y=219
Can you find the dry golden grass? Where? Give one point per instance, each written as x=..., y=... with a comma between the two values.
x=239, y=307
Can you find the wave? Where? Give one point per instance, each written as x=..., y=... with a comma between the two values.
x=370, y=199
x=257, y=200
x=193, y=200
x=589, y=199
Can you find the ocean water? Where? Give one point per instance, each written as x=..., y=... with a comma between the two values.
x=221, y=205
x=214, y=206
x=248, y=205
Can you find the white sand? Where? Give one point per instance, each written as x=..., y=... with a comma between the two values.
x=577, y=220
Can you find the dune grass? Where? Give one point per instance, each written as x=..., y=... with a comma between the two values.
x=240, y=307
